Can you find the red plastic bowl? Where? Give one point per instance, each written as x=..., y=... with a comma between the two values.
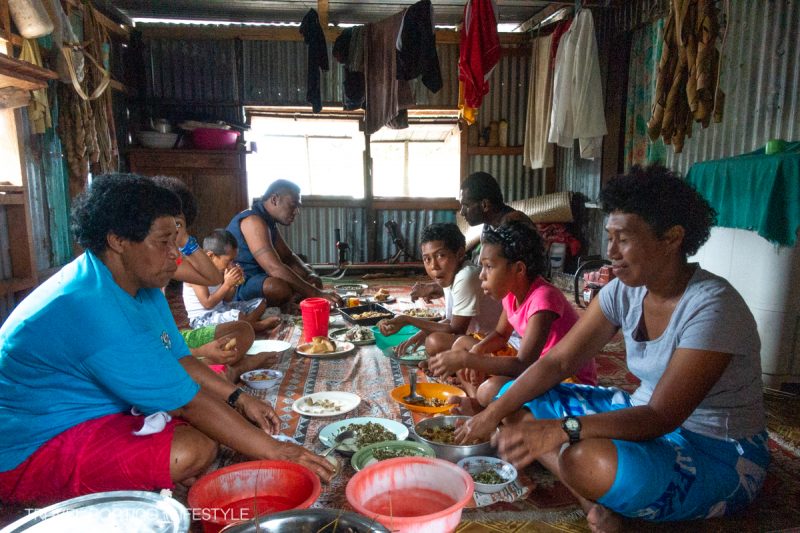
x=246, y=490
x=214, y=139
x=411, y=494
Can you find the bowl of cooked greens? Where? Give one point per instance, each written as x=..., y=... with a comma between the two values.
x=439, y=433
x=380, y=451
x=367, y=430
x=490, y=474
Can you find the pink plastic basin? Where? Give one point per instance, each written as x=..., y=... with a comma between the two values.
x=214, y=138
x=412, y=494
x=248, y=490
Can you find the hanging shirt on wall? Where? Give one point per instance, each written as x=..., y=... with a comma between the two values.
x=312, y=33
x=479, y=53
x=578, y=111
x=538, y=153
x=416, y=47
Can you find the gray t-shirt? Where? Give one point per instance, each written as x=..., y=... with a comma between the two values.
x=712, y=316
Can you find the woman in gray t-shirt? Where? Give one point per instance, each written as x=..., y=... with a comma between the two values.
x=691, y=441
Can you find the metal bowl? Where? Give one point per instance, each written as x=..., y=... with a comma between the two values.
x=350, y=288
x=308, y=520
x=450, y=452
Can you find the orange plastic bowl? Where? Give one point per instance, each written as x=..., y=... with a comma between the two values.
x=411, y=494
x=429, y=390
x=248, y=490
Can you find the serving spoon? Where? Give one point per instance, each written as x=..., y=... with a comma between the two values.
x=413, y=397
x=339, y=440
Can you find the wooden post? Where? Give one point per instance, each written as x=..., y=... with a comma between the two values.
x=5, y=18
x=322, y=11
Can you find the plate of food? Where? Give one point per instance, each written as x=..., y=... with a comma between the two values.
x=358, y=335
x=327, y=403
x=325, y=348
x=344, y=289
x=382, y=296
x=368, y=430
x=423, y=313
x=410, y=357
x=365, y=315
x=392, y=449
x=434, y=397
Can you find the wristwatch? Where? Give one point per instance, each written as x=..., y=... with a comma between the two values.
x=232, y=399
x=572, y=427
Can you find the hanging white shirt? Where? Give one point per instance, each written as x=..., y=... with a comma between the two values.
x=578, y=111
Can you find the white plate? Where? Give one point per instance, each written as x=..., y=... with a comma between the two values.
x=371, y=299
x=329, y=432
x=345, y=401
x=342, y=348
x=269, y=345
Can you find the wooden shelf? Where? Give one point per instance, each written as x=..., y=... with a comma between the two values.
x=494, y=150
x=23, y=75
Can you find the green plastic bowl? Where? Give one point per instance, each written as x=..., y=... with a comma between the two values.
x=387, y=344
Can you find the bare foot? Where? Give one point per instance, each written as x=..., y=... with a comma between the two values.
x=603, y=520
x=271, y=322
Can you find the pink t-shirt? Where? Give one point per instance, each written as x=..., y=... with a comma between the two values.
x=544, y=297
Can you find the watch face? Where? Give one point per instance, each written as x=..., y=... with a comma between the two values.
x=572, y=424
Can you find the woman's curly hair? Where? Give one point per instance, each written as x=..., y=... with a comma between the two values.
x=663, y=200
x=188, y=201
x=123, y=204
x=519, y=242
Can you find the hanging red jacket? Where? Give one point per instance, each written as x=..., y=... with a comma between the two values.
x=479, y=53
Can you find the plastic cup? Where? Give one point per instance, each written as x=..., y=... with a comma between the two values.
x=775, y=146
x=316, y=312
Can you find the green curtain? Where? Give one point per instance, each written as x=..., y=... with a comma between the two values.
x=646, y=47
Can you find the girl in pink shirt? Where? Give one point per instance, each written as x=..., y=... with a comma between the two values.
x=513, y=261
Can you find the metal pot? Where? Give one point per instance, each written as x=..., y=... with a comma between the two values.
x=309, y=520
x=160, y=125
x=450, y=452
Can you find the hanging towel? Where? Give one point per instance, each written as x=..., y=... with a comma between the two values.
x=479, y=53
x=387, y=97
x=416, y=47
x=538, y=153
x=577, y=109
x=314, y=37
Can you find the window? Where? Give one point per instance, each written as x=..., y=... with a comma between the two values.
x=324, y=156
x=421, y=161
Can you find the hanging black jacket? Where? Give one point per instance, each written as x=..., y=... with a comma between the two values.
x=417, y=55
x=317, y=57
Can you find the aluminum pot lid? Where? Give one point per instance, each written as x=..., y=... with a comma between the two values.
x=118, y=511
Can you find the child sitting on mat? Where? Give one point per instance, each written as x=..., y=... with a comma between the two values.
x=443, y=254
x=513, y=262
x=207, y=306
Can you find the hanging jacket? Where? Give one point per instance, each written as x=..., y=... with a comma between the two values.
x=317, y=57
x=416, y=47
x=478, y=54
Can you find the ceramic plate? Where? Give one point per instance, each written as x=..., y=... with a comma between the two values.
x=371, y=299
x=411, y=359
x=342, y=402
x=366, y=455
x=342, y=349
x=338, y=336
x=440, y=391
x=269, y=345
x=328, y=434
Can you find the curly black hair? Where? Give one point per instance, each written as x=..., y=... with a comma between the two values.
x=663, y=200
x=188, y=202
x=482, y=186
x=123, y=204
x=447, y=232
x=519, y=242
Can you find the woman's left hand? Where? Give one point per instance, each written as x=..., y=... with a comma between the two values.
x=520, y=443
x=259, y=412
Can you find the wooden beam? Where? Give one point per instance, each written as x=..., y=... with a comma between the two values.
x=280, y=33
x=120, y=30
x=322, y=11
x=13, y=97
x=24, y=75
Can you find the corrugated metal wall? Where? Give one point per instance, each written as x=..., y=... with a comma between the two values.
x=761, y=79
x=313, y=234
x=760, y=76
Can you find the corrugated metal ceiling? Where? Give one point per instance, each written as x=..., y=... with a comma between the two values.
x=446, y=12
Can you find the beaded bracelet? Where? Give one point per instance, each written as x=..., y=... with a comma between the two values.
x=190, y=247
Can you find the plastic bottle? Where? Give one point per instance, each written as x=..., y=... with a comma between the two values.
x=503, y=132
x=30, y=18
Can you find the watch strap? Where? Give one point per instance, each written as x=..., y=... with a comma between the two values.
x=234, y=397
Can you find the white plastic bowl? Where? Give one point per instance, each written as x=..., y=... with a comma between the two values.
x=155, y=139
x=263, y=378
x=476, y=465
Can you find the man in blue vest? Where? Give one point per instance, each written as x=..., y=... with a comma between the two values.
x=272, y=270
